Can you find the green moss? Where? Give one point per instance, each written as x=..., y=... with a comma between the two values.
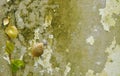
x=28, y=34
x=54, y=62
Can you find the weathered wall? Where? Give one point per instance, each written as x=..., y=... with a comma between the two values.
x=82, y=37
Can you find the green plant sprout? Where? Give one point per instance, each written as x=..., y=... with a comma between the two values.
x=16, y=65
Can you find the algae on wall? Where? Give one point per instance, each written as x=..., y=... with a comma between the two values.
x=79, y=41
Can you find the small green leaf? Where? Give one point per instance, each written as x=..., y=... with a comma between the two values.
x=9, y=47
x=11, y=31
x=16, y=65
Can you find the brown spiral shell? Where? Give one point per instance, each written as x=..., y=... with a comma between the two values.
x=37, y=50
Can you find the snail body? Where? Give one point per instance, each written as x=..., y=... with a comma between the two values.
x=37, y=50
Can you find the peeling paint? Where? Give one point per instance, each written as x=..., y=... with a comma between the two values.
x=113, y=60
x=45, y=61
x=112, y=7
x=90, y=40
x=67, y=69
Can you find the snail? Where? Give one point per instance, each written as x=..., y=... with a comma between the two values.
x=11, y=31
x=37, y=50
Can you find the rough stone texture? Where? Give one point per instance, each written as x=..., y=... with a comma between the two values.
x=64, y=25
x=5, y=69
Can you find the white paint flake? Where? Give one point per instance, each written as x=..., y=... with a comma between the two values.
x=90, y=40
x=67, y=69
x=6, y=57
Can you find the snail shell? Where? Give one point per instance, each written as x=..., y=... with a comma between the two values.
x=37, y=50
